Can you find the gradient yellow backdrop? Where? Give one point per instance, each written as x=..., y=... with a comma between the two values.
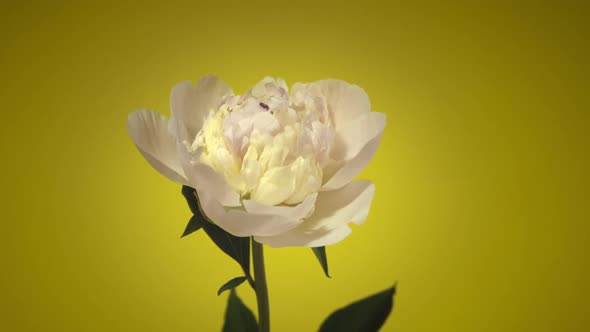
x=481, y=209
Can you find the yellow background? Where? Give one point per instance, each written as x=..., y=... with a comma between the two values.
x=482, y=193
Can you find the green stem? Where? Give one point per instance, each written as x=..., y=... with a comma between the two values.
x=261, y=287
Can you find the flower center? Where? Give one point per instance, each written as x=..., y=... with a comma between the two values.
x=269, y=146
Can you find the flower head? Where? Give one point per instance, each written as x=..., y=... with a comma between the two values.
x=271, y=163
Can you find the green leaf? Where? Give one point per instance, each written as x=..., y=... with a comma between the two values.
x=320, y=253
x=237, y=248
x=238, y=318
x=194, y=224
x=366, y=315
x=235, y=282
x=190, y=194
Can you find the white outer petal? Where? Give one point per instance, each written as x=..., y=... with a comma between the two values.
x=241, y=223
x=329, y=224
x=356, y=145
x=298, y=239
x=353, y=167
x=346, y=101
x=149, y=132
x=190, y=105
x=354, y=135
x=297, y=212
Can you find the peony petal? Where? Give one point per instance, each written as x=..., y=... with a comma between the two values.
x=203, y=177
x=296, y=238
x=190, y=105
x=275, y=186
x=346, y=101
x=354, y=135
x=296, y=212
x=149, y=132
x=329, y=224
x=241, y=223
x=355, y=144
x=353, y=167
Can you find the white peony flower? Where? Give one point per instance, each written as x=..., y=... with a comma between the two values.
x=272, y=164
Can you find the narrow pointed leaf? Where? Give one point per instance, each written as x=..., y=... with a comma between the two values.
x=320, y=253
x=238, y=318
x=237, y=248
x=190, y=194
x=194, y=224
x=366, y=315
x=235, y=282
